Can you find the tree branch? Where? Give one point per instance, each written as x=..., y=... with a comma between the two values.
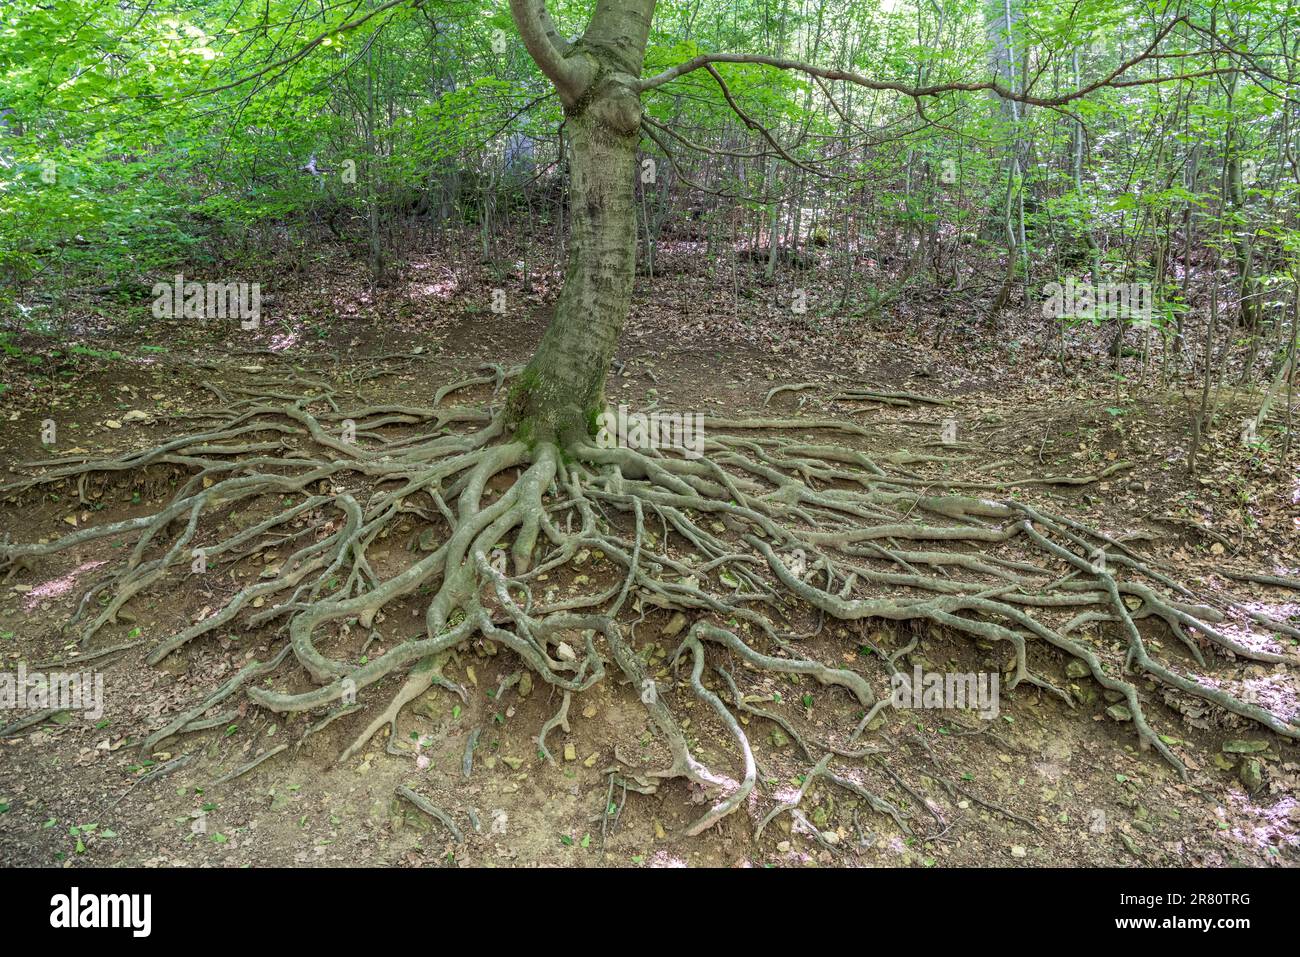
x=916, y=92
x=648, y=126
x=553, y=55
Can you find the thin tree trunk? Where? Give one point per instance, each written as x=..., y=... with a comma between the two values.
x=562, y=390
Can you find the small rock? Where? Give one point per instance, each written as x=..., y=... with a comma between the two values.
x=428, y=705
x=1077, y=668
x=525, y=685
x=570, y=753
x=514, y=763
x=565, y=652
x=1084, y=693
x=1242, y=746
x=1018, y=851
x=675, y=624
x=1120, y=712
x=1252, y=774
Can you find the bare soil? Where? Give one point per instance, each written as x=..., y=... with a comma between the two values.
x=1039, y=785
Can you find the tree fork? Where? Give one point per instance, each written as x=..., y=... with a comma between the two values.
x=562, y=389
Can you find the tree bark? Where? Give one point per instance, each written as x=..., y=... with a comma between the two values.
x=561, y=391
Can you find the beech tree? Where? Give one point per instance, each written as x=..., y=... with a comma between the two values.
x=780, y=517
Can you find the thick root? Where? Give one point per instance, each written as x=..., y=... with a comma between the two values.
x=736, y=542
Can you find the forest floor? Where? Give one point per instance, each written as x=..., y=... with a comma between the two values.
x=1038, y=785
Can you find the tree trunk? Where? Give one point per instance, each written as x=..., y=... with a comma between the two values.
x=562, y=389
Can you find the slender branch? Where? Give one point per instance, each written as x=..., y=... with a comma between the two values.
x=704, y=60
x=753, y=124
x=649, y=125
x=306, y=48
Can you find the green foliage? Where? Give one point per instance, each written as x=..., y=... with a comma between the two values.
x=139, y=139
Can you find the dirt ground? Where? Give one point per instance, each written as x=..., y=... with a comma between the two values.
x=1038, y=785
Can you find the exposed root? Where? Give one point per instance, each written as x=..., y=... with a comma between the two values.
x=431, y=809
x=245, y=768
x=736, y=542
x=423, y=676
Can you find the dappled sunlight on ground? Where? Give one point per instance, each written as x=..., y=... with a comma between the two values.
x=57, y=586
